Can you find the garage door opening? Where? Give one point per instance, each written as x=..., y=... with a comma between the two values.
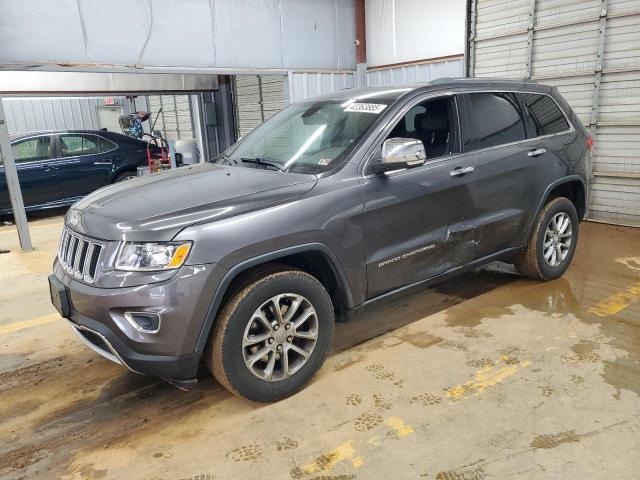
x=71, y=138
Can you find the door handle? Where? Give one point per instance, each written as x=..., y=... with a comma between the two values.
x=536, y=152
x=106, y=161
x=459, y=171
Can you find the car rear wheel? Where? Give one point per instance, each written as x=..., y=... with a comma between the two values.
x=272, y=335
x=552, y=242
x=125, y=176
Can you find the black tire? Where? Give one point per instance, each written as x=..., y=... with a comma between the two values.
x=122, y=176
x=225, y=354
x=531, y=262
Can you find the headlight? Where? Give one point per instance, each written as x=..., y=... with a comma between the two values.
x=144, y=257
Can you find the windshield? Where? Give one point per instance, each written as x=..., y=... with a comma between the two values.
x=307, y=137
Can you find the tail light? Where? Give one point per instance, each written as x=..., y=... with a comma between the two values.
x=590, y=142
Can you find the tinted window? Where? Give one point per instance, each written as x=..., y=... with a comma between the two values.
x=493, y=119
x=107, y=145
x=74, y=145
x=38, y=148
x=542, y=115
x=432, y=122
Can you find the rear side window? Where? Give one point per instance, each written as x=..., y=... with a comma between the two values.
x=492, y=119
x=106, y=145
x=76, y=145
x=542, y=115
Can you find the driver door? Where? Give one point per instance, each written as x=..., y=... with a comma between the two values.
x=418, y=221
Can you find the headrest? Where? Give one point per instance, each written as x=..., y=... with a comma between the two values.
x=434, y=119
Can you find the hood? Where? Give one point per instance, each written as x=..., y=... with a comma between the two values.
x=157, y=207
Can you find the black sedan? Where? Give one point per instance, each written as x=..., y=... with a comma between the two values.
x=57, y=168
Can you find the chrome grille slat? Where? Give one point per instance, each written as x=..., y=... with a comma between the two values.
x=79, y=256
x=70, y=250
x=87, y=259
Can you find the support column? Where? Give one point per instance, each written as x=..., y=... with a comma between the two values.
x=15, y=194
x=471, y=64
x=361, y=44
x=530, y=27
x=595, y=102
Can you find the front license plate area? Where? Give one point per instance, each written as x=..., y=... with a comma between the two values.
x=59, y=296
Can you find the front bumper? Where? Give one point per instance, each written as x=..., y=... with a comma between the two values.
x=97, y=317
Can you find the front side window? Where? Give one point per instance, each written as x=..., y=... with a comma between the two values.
x=433, y=122
x=310, y=137
x=38, y=148
x=75, y=145
x=493, y=119
x=542, y=114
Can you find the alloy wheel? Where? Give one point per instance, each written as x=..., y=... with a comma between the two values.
x=557, y=239
x=280, y=337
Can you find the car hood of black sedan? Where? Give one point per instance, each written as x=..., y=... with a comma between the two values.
x=158, y=206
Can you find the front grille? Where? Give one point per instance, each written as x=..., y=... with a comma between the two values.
x=79, y=255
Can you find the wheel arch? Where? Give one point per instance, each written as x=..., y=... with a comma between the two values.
x=573, y=187
x=123, y=169
x=316, y=259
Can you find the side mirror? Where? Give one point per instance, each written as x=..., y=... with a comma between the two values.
x=399, y=153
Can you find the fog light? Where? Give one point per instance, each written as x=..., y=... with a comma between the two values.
x=145, y=322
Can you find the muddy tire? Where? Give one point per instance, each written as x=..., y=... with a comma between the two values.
x=272, y=335
x=552, y=242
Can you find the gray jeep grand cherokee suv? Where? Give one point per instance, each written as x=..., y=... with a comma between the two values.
x=334, y=202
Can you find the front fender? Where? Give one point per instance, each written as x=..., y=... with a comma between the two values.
x=233, y=272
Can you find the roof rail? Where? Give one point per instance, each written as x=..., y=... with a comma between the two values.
x=480, y=79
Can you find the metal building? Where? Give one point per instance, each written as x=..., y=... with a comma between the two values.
x=589, y=50
x=257, y=98
x=28, y=114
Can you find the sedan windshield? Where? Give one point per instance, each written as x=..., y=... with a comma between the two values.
x=308, y=137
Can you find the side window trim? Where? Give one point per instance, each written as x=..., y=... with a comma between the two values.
x=388, y=127
x=569, y=122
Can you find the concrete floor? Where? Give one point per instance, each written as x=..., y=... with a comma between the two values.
x=485, y=376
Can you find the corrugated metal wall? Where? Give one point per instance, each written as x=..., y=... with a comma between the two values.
x=589, y=50
x=54, y=113
x=308, y=85
x=257, y=98
x=175, y=120
x=416, y=73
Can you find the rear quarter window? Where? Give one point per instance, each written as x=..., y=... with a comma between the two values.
x=106, y=145
x=492, y=119
x=542, y=115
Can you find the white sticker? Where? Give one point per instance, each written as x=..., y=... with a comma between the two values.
x=365, y=107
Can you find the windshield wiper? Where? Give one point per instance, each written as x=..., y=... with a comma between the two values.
x=262, y=161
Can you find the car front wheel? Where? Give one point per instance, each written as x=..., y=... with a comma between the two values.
x=272, y=335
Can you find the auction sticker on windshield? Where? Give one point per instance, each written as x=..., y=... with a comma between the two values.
x=365, y=107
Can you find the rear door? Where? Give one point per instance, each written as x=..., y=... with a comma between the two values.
x=505, y=190
x=82, y=164
x=34, y=162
